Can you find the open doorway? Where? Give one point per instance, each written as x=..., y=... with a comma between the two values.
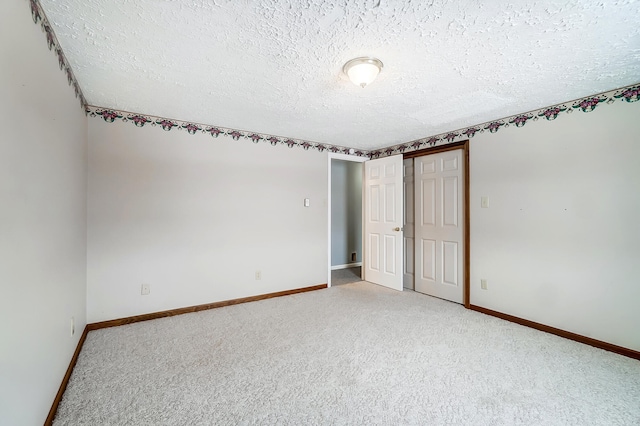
x=345, y=219
x=346, y=222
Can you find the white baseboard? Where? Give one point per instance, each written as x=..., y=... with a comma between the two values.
x=348, y=265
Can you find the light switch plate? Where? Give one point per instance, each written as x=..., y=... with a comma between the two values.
x=306, y=202
x=484, y=202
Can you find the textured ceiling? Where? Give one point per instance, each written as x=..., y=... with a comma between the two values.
x=274, y=66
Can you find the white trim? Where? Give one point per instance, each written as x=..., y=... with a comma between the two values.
x=335, y=156
x=347, y=266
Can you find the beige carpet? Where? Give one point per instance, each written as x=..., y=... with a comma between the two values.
x=354, y=354
x=346, y=276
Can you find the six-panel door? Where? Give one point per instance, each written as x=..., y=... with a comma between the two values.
x=439, y=225
x=383, y=200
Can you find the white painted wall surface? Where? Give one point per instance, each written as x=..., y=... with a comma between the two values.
x=43, y=142
x=195, y=217
x=346, y=212
x=560, y=241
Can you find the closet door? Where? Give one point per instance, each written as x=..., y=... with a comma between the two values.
x=439, y=227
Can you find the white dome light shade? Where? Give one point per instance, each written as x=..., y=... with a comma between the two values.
x=362, y=71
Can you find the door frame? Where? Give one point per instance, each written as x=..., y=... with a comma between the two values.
x=330, y=157
x=464, y=145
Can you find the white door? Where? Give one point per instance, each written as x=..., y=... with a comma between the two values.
x=439, y=225
x=382, y=262
x=408, y=232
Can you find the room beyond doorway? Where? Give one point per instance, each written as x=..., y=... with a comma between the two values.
x=345, y=216
x=346, y=276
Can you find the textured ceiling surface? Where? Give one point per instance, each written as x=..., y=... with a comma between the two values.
x=274, y=66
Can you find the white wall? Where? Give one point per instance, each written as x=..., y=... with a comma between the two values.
x=195, y=217
x=43, y=139
x=560, y=241
x=346, y=211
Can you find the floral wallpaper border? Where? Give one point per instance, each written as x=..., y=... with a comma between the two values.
x=167, y=124
x=627, y=94
x=39, y=17
x=588, y=104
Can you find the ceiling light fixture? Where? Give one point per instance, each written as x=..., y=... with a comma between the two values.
x=362, y=71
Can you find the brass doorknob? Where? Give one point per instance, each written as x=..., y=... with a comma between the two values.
x=397, y=229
